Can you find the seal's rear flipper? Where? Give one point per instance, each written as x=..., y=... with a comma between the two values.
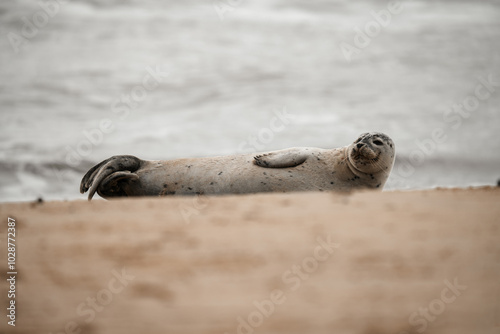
x=282, y=159
x=116, y=184
x=107, y=173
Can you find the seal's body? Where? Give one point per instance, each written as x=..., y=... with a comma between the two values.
x=364, y=164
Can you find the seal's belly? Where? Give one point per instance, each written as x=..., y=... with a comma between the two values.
x=234, y=175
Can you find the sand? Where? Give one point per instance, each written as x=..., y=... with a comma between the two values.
x=367, y=262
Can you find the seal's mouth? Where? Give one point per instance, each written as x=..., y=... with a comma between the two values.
x=365, y=153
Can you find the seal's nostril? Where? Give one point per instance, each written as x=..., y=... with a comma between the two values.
x=359, y=145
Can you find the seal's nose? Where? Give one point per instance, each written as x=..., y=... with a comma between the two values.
x=360, y=145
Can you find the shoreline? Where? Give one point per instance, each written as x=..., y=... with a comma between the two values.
x=97, y=197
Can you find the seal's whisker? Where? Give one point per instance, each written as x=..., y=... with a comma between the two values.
x=378, y=164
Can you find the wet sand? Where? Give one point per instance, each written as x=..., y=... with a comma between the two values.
x=369, y=262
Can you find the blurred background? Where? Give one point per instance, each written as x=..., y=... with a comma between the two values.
x=84, y=80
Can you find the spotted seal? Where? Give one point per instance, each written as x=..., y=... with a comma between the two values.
x=366, y=163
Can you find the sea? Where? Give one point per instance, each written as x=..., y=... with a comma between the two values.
x=85, y=80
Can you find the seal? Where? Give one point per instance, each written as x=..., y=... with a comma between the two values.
x=366, y=163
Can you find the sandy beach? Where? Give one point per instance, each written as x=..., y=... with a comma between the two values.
x=367, y=263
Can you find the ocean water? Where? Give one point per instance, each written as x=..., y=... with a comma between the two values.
x=85, y=80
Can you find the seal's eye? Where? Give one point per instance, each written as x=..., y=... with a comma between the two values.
x=378, y=142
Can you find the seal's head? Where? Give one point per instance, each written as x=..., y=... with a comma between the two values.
x=371, y=153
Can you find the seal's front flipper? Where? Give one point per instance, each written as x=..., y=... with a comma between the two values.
x=281, y=159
